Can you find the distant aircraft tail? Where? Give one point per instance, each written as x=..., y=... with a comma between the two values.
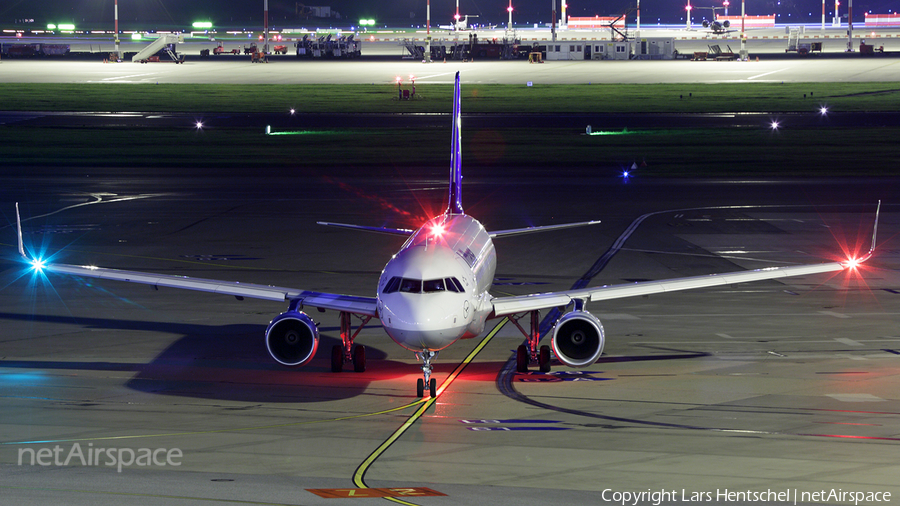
x=454, y=206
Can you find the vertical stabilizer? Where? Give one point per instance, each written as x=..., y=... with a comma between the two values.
x=454, y=206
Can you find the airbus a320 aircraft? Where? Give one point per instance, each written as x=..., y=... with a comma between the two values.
x=435, y=290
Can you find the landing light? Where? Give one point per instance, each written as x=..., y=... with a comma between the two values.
x=774, y=125
x=198, y=125
x=823, y=110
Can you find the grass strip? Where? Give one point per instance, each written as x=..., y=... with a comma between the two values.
x=488, y=152
x=436, y=98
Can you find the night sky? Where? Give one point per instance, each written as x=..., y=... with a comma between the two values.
x=147, y=14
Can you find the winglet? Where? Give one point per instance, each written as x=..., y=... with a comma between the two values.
x=874, y=233
x=856, y=261
x=454, y=206
x=19, y=229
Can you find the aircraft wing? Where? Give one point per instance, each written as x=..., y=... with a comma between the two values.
x=545, y=228
x=380, y=230
x=522, y=303
x=347, y=303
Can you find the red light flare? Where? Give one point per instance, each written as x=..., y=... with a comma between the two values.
x=854, y=252
x=381, y=202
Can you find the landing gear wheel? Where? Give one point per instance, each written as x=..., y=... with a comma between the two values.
x=420, y=387
x=432, y=387
x=544, y=358
x=359, y=358
x=337, y=358
x=522, y=358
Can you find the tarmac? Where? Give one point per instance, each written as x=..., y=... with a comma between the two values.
x=774, y=392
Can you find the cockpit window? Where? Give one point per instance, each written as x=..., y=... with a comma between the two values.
x=411, y=285
x=393, y=285
x=454, y=285
x=433, y=285
x=408, y=285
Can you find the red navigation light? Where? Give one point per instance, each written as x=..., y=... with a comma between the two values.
x=437, y=230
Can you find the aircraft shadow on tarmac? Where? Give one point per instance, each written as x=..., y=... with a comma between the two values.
x=227, y=362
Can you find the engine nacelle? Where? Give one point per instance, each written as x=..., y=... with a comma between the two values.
x=578, y=339
x=292, y=338
x=726, y=23
x=705, y=24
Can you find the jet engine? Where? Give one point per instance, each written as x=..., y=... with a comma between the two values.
x=578, y=339
x=292, y=338
x=705, y=24
x=726, y=23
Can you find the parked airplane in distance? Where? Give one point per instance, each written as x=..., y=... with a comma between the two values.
x=436, y=290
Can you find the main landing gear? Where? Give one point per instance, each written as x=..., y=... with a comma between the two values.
x=529, y=352
x=345, y=352
x=425, y=357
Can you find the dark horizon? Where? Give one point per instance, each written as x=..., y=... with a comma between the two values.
x=148, y=14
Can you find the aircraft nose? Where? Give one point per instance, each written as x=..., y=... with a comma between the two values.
x=417, y=322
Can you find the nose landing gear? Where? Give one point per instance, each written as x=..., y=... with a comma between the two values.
x=425, y=357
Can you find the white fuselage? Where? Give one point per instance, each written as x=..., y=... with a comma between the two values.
x=435, y=289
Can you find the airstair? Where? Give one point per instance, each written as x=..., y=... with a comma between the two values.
x=793, y=38
x=160, y=43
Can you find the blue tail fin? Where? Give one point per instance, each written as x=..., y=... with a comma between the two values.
x=454, y=205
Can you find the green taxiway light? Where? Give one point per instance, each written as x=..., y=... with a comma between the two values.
x=51, y=26
x=299, y=132
x=203, y=25
x=607, y=132
x=135, y=36
x=66, y=27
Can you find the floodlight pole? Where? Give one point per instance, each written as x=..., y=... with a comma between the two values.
x=266, y=26
x=637, y=31
x=428, y=31
x=744, y=55
x=837, y=20
x=116, y=35
x=688, y=16
x=850, y=25
x=553, y=20
x=823, y=14
x=562, y=18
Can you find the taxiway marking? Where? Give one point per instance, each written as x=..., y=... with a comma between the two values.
x=360, y=474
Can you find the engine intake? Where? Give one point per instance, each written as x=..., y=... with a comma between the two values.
x=578, y=339
x=292, y=338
